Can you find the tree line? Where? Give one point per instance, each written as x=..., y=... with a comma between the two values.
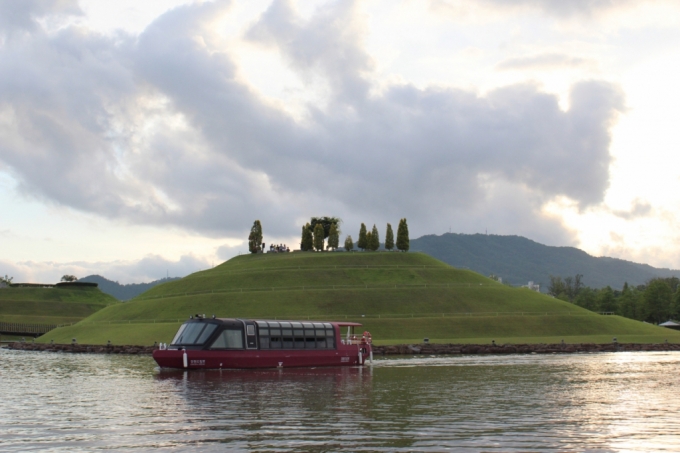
x=656, y=301
x=323, y=233
x=319, y=228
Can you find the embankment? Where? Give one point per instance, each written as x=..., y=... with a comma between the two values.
x=403, y=349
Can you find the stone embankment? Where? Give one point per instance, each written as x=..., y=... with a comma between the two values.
x=402, y=349
x=435, y=349
x=82, y=348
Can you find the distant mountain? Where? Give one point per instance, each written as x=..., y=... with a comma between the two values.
x=519, y=260
x=123, y=292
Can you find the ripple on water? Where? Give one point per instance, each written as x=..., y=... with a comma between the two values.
x=582, y=402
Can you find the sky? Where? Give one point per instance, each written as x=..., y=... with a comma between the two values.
x=140, y=140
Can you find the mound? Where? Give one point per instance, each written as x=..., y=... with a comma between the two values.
x=55, y=305
x=398, y=296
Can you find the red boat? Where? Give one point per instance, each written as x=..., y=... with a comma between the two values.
x=244, y=343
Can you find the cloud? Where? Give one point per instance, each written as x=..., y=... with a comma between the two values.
x=225, y=252
x=640, y=208
x=160, y=129
x=147, y=269
x=23, y=15
x=543, y=61
x=557, y=8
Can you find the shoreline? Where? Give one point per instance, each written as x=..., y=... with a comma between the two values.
x=403, y=349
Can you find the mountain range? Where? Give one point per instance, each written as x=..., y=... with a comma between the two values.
x=518, y=260
x=123, y=292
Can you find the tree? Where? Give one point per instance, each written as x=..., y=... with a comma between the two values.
x=327, y=223
x=349, y=245
x=402, y=236
x=606, y=301
x=627, y=305
x=7, y=280
x=318, y=237
x=69, y=278
x=675, y=307
x=389, y=238
x=255, y=238
x=556, y=286
x=374, y=241
x=657, y=298
x=307, y=243
x=362, y=243
x=333, y=237
x=587, y=298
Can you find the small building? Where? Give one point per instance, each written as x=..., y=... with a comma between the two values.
x=533, y=286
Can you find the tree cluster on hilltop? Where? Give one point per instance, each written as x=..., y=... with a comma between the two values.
x=656, y=301
x=319, y=228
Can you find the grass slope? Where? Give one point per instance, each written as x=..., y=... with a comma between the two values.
x=398, y=296
x=51, y=305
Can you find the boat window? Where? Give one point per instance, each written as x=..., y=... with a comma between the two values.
x=190, y=333
x=209, y=329
x=179, y=333
x=274, y=324
x=328, y=325
x=250, y=329
x=229, y=339
x=312, y=336
x=262, y=324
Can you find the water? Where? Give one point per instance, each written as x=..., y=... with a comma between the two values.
x=619, y=402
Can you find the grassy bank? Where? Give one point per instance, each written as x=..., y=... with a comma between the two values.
x=51, y=305
x=399, y=297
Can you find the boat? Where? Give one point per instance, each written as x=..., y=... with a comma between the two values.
x=217, y=343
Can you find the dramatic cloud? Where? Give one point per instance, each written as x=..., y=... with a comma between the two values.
x=161, y=129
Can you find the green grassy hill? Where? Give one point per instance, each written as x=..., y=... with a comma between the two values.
x=51, y=305
x=399, y=297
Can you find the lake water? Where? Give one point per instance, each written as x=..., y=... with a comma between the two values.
x=618, y=402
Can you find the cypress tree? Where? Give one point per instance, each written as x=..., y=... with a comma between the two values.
x=255, y=238
x=307, y=240
x=374, y=243
x=369, y=243
x=389, y=238
x=402, y=236
x=318, y=237
x=333, y=237
x=349, y=245
x=361, y=243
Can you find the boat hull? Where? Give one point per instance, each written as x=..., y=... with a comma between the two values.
x=245, y=359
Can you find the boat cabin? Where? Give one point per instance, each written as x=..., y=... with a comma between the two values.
x=237, y=334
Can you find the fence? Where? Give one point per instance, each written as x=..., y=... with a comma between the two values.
x=28, y=330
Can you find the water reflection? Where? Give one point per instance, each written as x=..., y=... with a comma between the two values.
x=588, y=402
